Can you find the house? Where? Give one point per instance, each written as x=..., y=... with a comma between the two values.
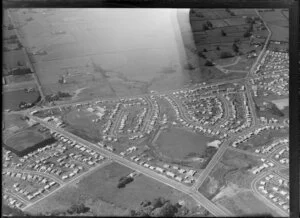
x=178, y=178
x=170, y=174
x=159, y=169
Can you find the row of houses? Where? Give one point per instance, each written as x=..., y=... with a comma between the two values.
x=271, y=188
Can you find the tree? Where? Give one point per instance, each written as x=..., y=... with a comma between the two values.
x=218, y=48
x=78, y=208
x=235, y=48
x=226, y=54
x=200, y=54
x=168, y=210
x=209, y=63
x=158, y=202
x=204, y=50
x=205, y=27
x=223, y=33
x=209, y=24
x=247, y=34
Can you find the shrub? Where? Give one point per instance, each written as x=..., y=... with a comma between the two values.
x=247, y=34
x=226, y=54
x=209, y=63
x=205, y=27
x=223, y=33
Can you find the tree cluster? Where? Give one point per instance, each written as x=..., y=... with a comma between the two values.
x=207, y=26
x=124, y=181
x=78, y=208
x=209, y=63
x=223, y=33
x=235, y=47
x=160, y=207
x=226, y=54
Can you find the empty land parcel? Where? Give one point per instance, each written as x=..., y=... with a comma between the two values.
x=99, y=191
x=229, y=184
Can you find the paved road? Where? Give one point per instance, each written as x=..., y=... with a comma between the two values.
x=200, y=199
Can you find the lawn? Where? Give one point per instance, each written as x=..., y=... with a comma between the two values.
x=245, y=203
x=178, y=143
x=101, y=185
x=24, y=139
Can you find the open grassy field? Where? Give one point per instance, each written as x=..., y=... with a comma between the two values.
x=263, y=138
x=13, y=122
x=24, y=139
x=80, y=123
x=281, y=103
x=245, y=203
x=179, y=143
x=101, y=186
x=278, y=24
x=233, y=168
x=12, y=100
x=13, y=59
x=12, y=79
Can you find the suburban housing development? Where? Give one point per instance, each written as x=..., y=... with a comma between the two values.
x=102, y=118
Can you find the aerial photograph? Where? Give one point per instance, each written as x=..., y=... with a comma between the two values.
x=145, y=112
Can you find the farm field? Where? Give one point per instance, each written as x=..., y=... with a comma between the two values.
x=232, y=169
x=72, y=41
x=179, y=143
x=15, y=58
x=101, y=186
x=12, y=100
x=227, y=27
x=244, y=203
x=278, y=24
x=23, y=140
x=12, y=79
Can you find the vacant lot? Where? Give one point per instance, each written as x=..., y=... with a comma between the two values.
x=245, y=203
x=233, y=168
x=102, y=185
x=80, y=123
x=12, y=100
x=24, y=139
x=178, y=143
x=281, y=103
